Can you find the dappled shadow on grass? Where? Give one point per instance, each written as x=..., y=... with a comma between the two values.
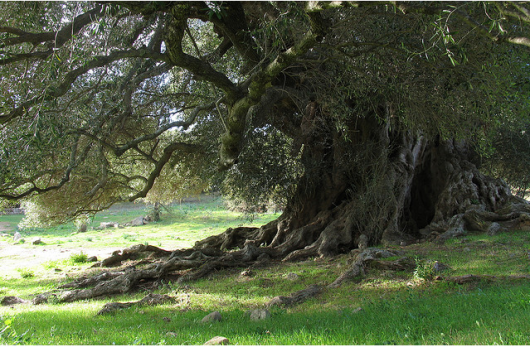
x=503, y=254
x=395, y=307
x=482, y=316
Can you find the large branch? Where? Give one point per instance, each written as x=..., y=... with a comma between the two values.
x=133, y=144
x=523, y=41
x=61, y=89
x=74, y=162
x=185, y=124
x=131, y=86
x=260, y=82
x=58, y=37
x=521, y=13
x=13, y=58
x=201, y=69
x=168, y=152
x=234, y=26
x=145, y=8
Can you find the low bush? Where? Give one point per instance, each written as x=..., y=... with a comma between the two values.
x=26, y=273
x=78, y=258
x=424, y=269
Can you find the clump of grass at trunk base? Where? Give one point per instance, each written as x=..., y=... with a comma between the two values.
x=424, y=269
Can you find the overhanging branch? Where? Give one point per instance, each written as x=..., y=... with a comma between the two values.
x=58, y=37
x=74, y=162
x=61, y=89
x=185, y=124
x=168, y=152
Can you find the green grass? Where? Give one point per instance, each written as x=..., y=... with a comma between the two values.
x=492, y=315
x=384, y=307
x=187, y=223
x=78, y=258
x=26, y=273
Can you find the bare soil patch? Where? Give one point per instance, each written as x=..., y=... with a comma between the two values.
x=15, y=256
x=5, y=226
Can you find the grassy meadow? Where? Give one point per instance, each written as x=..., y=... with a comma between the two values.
x=384, y=307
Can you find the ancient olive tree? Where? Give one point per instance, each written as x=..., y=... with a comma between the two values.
x=367, y=118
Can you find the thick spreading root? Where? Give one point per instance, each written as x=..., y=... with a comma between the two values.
x=230, y=239
x=85, y=282
x=372, y=257
x=515, y=215
x=118, y=284
x=149, y=300
x=467, y=200
x=11, y=300
x=334, y=232
x=296, y=297
x=131, y=253
x=189, y=264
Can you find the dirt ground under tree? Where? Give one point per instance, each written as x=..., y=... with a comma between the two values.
x=16, y=256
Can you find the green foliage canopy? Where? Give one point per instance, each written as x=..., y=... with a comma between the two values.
x=109, y=102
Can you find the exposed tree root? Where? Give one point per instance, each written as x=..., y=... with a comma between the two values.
x=149, y=300
x=480, y=278
x=231, y=238
x=371, y=257
x=11, y=300
x=296, y=297
x=131, y=253
x=414, y=190
x=85, y=282
x=515, y=215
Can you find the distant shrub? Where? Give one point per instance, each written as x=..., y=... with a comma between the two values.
x=79, y=258
x=129, y=237
x=26, y=273
x=81, y=223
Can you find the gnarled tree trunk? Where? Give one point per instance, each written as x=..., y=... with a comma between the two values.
x=380, y=186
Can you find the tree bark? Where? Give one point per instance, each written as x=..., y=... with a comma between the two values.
x=382, y=186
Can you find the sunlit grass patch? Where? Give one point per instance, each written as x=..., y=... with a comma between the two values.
x=482, y=316
x=26, y=273
x=185, y=224
x=383, y=307
x=80, y=257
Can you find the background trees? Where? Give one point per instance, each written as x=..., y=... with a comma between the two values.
x=364, y=117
